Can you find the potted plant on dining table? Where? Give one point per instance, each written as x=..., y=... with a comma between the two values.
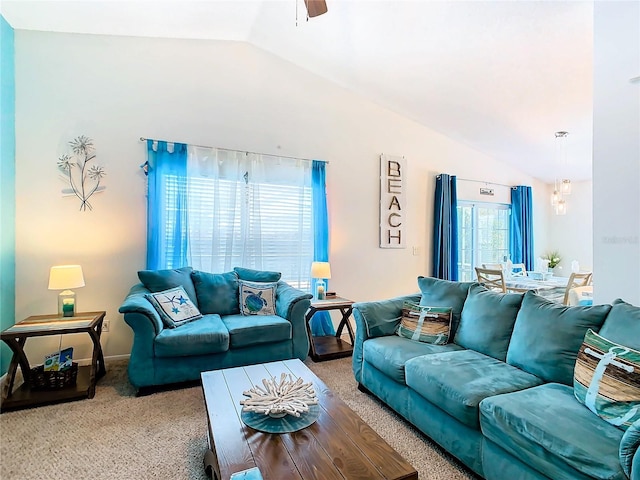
x=553, y=258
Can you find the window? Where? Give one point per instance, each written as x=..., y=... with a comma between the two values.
x=483, y=236
x=228, y=209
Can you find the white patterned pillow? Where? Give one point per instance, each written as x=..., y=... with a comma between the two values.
x=257, y=298
x=174, y=306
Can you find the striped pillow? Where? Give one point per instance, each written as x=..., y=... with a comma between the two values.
x=425, y=324
x=607, y=380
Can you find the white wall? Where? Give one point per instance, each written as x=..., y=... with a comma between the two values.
x=222, y=94
x=616, y=151
x=572, y=234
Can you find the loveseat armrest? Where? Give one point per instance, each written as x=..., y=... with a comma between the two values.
x=628, y=451
x=292, y=304
x=376, y=319
x=138, y=312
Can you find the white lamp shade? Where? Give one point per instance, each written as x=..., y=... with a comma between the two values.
x=320, y=270
x=63, y=277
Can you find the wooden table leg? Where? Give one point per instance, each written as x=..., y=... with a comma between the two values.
x=344, y=322
x=18, y=358
x=97, y=361
x=312, y=347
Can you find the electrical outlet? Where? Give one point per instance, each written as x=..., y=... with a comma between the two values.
x=105, y=325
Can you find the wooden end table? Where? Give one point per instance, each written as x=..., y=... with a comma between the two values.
x=339, y=445
x=42, y=325
x=328, y=347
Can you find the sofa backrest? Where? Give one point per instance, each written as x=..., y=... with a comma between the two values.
x=547, y=336
x=622, y=325
x=444, y=293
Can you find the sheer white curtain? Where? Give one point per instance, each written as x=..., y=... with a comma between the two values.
x=249, y=210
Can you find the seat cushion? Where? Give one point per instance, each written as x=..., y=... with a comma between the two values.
x=245, y=331
x=547, y=428
x=200, y=337
x=458, y=381
x=390, y=354
x=487, y=321
x=547, y=336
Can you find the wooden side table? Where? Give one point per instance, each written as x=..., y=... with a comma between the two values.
x=43, y=325
x=328, y=347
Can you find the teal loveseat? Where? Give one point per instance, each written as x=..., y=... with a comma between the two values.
x=222, y=337
x=499, y=395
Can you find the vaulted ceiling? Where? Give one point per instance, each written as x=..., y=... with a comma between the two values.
x=499, y=76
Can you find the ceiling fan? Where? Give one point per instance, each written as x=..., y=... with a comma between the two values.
x=315, y=7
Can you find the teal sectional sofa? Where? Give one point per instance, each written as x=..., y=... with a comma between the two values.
x=222, y=337
x=499, y=395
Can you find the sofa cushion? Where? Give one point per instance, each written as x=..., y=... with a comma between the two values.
x=257, y=275
x=245, y=331
x=443, y=293
x=159, y=280
x=257, y=298
x=607, y=380
x=217, y=292
x=174, y=307
x=425, y=324
x=622, y=325
x=547, y=336
x=390, y=354
x=487, y=321
x=458, y=381
x=201, y=337
x=547, y=428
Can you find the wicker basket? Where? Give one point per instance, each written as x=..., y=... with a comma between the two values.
x=52, y=380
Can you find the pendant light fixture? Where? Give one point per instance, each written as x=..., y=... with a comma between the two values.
x=561, y=188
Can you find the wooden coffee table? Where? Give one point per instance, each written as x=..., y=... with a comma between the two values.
x=339, y=445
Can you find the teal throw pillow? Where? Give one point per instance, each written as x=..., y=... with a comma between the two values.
x=547, y=336
x=622, y=325
x=487, y=320
x=159, y=280
x=174, y=307
x=257, y=298
x=257, y=275
x=607, y=380
x=425, y=324
x=217, y=292
x=444, y=293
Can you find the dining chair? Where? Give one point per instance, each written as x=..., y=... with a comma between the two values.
x=518, y=270
x=581, y=279
x=493, y=279
x=493, y=266
x=581, y=296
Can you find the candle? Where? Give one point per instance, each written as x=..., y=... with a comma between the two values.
x=320, y=292
x=68, y=306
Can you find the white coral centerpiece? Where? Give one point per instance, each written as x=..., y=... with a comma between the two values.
x=280, y=398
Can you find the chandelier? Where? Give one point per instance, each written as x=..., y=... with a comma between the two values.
x=562, y=186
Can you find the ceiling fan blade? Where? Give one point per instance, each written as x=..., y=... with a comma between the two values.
x=315, y=7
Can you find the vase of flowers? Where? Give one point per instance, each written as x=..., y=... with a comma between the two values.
x=553, y=258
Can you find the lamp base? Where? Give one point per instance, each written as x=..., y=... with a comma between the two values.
x=67, y=303
x=320, y=290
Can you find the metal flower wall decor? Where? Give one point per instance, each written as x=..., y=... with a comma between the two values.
x=83, y=177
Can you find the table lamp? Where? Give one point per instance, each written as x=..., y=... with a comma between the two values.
x=320, y=271
x=66, y=277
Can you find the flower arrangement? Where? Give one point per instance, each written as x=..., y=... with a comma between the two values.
x=86, y=181
x=553, y=258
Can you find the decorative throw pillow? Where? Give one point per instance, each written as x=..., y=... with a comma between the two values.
x=425, y=324
x=257, y=298
x=174, y=306
x=607, y=380
x=161, y=280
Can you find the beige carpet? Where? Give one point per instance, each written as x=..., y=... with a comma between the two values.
x=163, y=436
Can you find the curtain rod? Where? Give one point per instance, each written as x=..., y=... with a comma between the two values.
x=486, y=183
x=142, y=139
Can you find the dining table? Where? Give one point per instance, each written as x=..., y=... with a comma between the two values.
x=552, y=288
